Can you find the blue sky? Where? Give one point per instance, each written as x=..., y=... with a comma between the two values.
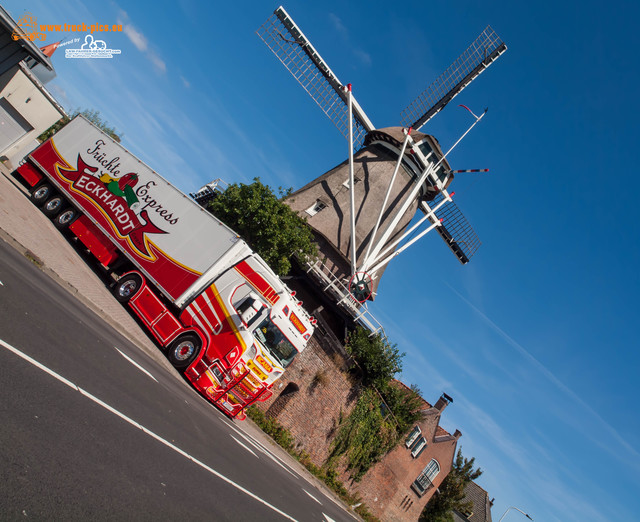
x=536, y=338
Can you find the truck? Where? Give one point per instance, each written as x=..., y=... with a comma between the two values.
x=223, y=317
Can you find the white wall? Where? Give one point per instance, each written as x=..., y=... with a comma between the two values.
x=26, y=95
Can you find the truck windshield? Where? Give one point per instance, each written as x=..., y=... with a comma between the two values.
x=270, y=336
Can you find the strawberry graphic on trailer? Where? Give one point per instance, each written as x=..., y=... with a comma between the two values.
x=123, y=187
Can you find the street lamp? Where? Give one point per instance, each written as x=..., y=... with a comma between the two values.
x=513, y=507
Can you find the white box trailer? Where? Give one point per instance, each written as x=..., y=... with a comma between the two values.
x=161, y=230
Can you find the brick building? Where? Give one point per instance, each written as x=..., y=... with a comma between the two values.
x=400, y=485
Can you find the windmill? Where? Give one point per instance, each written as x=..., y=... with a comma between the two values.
x=361, y=210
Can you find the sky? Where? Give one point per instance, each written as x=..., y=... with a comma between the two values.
x=536, y=338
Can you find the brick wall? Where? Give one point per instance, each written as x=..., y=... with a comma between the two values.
x=324, y=390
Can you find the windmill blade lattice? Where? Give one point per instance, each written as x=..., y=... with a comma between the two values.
x=456, y=230
x=296, y=53
x=481, y=53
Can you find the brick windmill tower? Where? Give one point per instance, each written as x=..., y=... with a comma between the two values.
x=361, y=212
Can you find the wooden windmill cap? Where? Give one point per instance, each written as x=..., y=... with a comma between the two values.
x=395, y=136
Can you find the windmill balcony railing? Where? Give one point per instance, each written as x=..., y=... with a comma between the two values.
x=339, y=291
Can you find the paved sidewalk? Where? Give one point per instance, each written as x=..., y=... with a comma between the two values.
x=32, y=233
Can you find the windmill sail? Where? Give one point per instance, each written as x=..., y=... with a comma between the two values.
x=481, y=53
x=296, y=53
x=456, y=231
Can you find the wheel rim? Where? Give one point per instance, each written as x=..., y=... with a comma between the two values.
x=184, y=351
x=41, y=193
x=53, y=204
x=66, y=217
x=128, y=288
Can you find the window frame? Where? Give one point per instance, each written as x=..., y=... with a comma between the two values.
x=415, y=433
x=422, y=482
x=318, y=206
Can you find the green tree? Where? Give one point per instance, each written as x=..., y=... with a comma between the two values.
x=265, y=222
x=92, y=115
x=379, y=359
x=405, y=404
x=450, y=495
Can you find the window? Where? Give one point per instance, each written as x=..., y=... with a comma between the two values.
x=346, y=183
x=416, y=442
x=275, y=342
x=418, y=447
x=425, y=479
x=415, y=433
x=316, y=207
x=425, y=148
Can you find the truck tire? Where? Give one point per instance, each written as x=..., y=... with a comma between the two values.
x=126, y=287
x=53, y=206
x=65, y=218
x=41, y=194
x=183, y=350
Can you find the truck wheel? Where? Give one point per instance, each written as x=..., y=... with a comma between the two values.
x=40, y=194
x=53, y=206
x=183, y=350
x=65, y=218
x=126, y=287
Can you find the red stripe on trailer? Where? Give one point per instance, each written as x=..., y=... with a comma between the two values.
x=257, y=281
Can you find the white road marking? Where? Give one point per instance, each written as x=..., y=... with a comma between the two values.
x=314, y=498
x=265, y=451
x=136, y=364
x=145, y=430
x=1, y=283
x=329, y=519
x=245, y=447
x=275, y=458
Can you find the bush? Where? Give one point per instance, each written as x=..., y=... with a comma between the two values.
x=272, y=427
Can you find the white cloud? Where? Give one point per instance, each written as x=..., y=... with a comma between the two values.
x=141, y=42
x=338, y=25
x=361, y=55
x=569, y=416
x=59, y=92
x=157, y=62
x=136, y=37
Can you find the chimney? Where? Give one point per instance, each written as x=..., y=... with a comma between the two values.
x=443, y=402
x=457, y=434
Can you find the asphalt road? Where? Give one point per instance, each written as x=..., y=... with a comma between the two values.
x=93, y=429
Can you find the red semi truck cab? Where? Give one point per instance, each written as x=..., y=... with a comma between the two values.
x=223, y=316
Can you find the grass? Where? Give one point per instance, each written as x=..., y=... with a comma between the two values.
x=33, y=258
